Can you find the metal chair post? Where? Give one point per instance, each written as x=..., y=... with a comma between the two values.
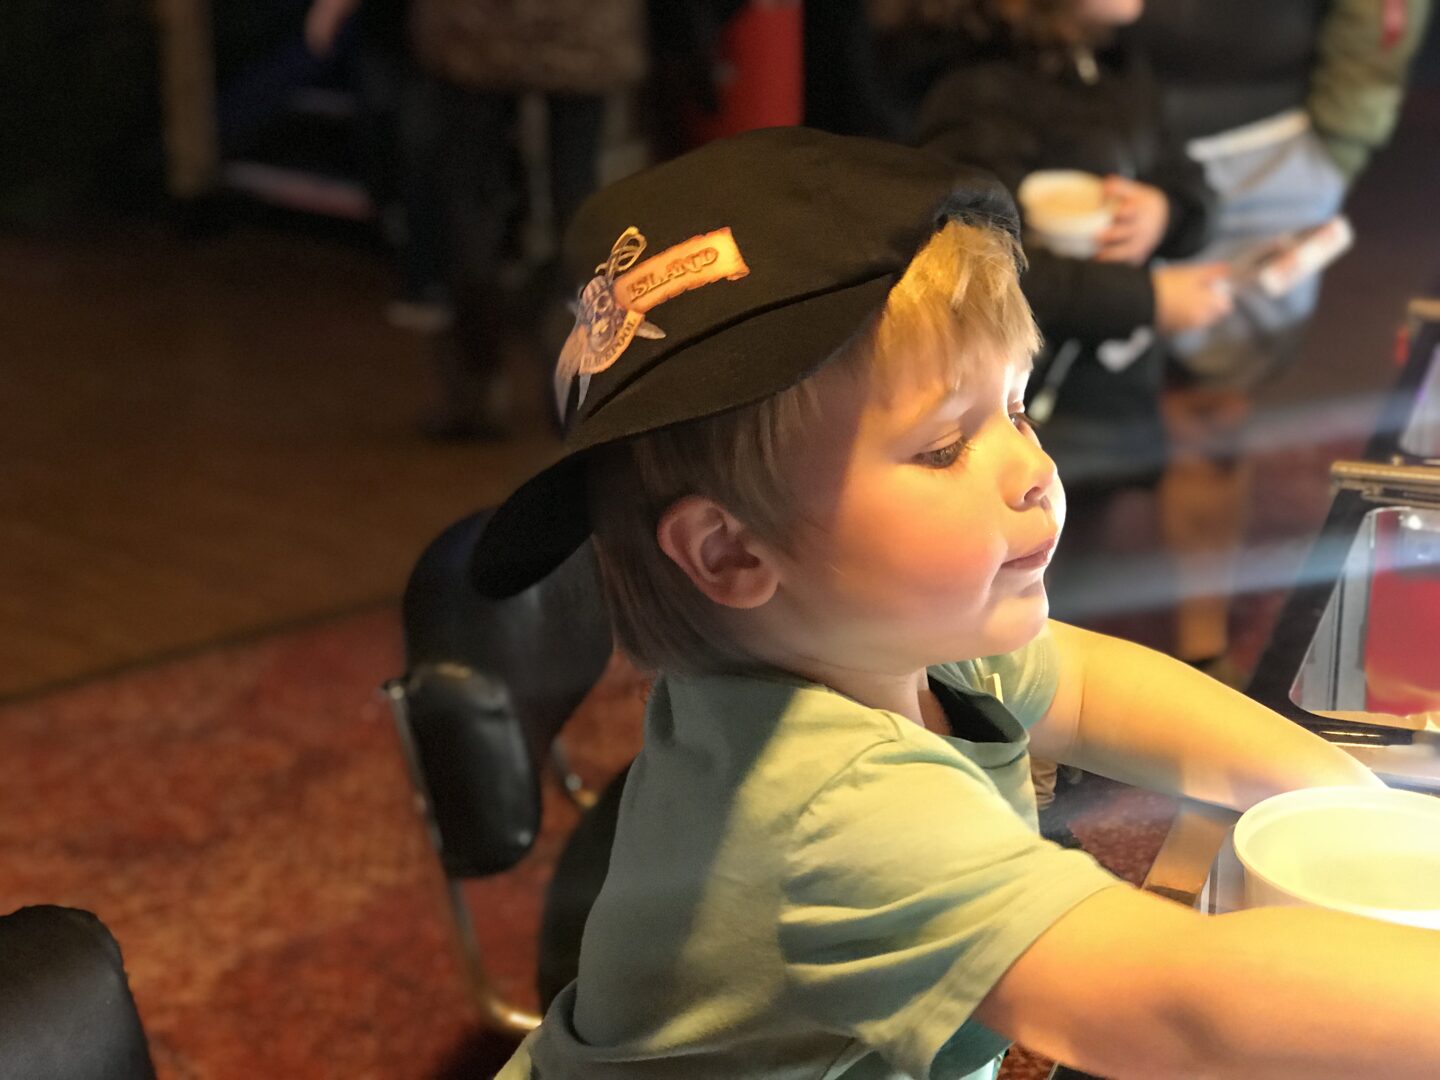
x=498, y=1011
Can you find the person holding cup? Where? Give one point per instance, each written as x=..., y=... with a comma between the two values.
x=1053, y=100
x=1114, y=219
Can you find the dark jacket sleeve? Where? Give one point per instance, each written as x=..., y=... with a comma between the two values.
x=969, y=118
x=1193, y=204
x=1087, y=300
x=1162, y=160
x=1358, y=81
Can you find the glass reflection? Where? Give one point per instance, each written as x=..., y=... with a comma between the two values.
x=1375, y=648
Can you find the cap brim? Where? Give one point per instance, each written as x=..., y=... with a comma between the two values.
x=547, y=517
x=532, y=532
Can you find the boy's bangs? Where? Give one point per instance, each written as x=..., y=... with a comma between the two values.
x=959, y=304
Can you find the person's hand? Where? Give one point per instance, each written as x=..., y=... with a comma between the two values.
x=323, y=22
x=1190, y=297
x=1142, y=214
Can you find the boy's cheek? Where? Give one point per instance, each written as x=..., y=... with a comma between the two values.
x=949, y=569
x=905, y=565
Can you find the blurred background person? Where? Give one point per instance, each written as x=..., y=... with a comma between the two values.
x=1283, y=103
x=1036, y=86
x=844, y=88
x=476, y=60
x=1031, y=86
x=397, y=134
x=484, y=55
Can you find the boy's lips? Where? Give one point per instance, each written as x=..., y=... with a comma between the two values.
x=1035, y=558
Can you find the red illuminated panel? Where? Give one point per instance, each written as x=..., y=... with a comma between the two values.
x=1403, y=627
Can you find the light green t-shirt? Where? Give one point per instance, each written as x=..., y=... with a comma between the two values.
x=805, y=887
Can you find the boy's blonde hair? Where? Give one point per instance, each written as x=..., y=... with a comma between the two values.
x=958, y=300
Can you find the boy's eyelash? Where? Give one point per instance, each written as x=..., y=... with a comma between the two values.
x=945, y=456
x=1021, y=418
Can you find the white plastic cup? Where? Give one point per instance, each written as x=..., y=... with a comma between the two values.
x=1065, y=211
x=1367, y=851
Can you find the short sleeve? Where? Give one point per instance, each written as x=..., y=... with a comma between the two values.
x=911, y=888
x=1027, y=677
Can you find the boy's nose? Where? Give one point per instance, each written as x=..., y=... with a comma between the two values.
x=1035, y=475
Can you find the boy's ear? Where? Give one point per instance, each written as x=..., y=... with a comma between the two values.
x=717, y=552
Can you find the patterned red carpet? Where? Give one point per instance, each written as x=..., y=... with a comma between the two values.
x=242, y=823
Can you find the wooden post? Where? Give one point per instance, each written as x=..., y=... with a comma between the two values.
x=188, y=91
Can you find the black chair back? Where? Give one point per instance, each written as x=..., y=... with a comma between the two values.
x=489, y=684
x=66, y=1012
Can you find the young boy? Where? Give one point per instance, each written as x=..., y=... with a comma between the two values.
x=823, y=518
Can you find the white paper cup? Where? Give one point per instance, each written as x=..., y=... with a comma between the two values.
x=1366, y=851
x=1065, y=211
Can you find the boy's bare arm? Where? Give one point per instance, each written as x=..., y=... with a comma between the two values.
x=1130, y=985
x=1141, y=717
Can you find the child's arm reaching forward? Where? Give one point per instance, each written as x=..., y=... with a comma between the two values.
x=1130, y=985
x=1141, y=717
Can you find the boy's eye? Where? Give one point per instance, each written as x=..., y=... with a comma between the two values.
x=943, y=457
x=1023, y=421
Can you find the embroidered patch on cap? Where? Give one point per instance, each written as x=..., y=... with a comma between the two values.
x=611, y=309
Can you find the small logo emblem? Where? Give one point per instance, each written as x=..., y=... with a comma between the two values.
x=611, y=310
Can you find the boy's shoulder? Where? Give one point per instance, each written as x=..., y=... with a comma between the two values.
x=774, y=734
x=775, y=741
x=761, y=709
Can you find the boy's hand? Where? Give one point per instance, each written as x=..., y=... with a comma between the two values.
x=1142, y=214
x=1190, y=297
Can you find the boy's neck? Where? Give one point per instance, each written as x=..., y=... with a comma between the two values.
x=898, y=693
x=909, y=695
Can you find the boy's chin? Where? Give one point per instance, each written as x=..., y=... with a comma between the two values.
x=1014, y=625
x=1019, y=621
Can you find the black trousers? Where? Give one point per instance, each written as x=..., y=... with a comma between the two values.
x=483, y=188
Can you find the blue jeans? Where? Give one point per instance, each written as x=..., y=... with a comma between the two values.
x=1264, y=193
